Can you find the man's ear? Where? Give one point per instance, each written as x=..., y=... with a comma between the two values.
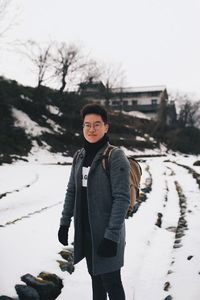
x=107, y=127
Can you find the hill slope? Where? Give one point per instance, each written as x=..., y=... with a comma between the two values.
x=32, y=118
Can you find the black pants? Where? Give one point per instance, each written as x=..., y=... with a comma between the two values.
x=108, y=283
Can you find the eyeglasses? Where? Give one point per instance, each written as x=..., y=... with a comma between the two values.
x=95, y=125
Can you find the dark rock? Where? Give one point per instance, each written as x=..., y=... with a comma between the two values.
x=167, y=286
x=189, y=257
x=67, y=255
x=66, y=266
x=142, y=197
x=180, y=230
x=136, y=207
x=159, y=220
x=26, y=292
x=177, y=246
x=55, y=279
x=196, y=163
x=179, y=235
x=47, y=290
x=183, y=205
x=177, y=241
x=182, y=223
x=146, y=190
x=183, y=211
x=171, y=229
x=169, y=297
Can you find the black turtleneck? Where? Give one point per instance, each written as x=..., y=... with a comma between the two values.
x=92, y=148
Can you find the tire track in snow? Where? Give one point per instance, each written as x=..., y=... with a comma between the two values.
x=178, y=231
x=194, y=174
x=172, y=226
x=190, y=170
x=159, y=236
x=30, y=214
x=185, y=256
x=28, y=185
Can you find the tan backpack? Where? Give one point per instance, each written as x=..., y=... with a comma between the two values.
x=135, y=176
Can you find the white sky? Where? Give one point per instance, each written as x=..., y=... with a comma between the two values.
x=156, y=41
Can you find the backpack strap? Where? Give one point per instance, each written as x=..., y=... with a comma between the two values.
x=130, y=157
x=76, y=156
x=106, y=156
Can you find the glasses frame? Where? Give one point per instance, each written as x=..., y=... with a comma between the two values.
x=96, y=125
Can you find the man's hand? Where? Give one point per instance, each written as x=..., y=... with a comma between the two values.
x=107, y=248
x=63, y=234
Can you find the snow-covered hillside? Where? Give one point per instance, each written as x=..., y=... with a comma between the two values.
x=158, y=262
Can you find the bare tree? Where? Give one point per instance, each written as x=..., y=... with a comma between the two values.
x=91, y=72
x=67, y=62
x=8, y=16
x=40, y=58
x=112, y=77
x=189, y=114
x=4, y=4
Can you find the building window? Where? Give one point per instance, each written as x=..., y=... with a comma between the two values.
x=154, y=102
x=115, y=103
x=126, y=102
x=134, y=102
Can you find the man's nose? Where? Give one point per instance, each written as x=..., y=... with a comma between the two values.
x=92, y=128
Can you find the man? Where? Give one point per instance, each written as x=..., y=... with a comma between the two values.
x=99, y=203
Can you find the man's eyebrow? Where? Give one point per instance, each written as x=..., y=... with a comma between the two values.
x=87, y=122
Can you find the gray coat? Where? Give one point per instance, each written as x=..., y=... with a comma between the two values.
x=108, y=201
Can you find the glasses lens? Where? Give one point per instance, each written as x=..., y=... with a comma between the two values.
x=95, y=125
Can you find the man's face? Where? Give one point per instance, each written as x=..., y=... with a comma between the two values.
x=94, y=128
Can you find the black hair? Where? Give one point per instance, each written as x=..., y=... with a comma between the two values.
x=94, y=109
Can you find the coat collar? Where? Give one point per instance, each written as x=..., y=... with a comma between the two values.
x=98, y=157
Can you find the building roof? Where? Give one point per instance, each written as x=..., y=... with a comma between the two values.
x=140, y=89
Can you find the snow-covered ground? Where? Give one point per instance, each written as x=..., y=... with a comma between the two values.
x=31, y=200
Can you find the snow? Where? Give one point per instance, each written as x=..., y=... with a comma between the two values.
x=137, y=114
x=22, y=120
x=57, y=128
x=23, y=97
x=30, y=214
x=140, y=138
x=31, y=127
x=53, y=109
x=145, y=152
x=138, y=89
x=42, y=155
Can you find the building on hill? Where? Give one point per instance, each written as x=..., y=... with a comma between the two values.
x=143, y=99
x=147, y=99
x=92, y=90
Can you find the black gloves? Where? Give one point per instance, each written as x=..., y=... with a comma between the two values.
x=107, y=248
x=63, y=234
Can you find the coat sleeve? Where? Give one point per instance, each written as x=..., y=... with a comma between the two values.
x=120, y=187
x=68, y=208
